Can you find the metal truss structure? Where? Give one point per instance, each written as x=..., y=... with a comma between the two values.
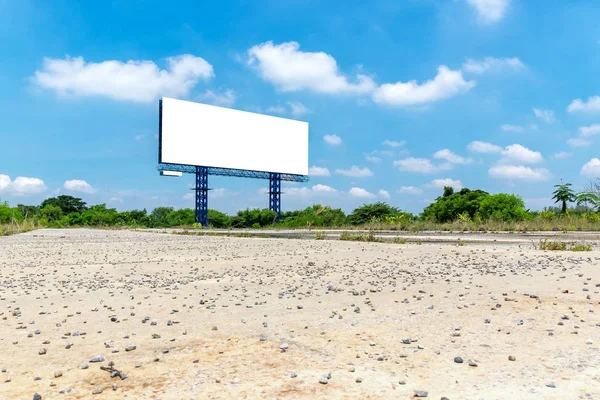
x=202, y=188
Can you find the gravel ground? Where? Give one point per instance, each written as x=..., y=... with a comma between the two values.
x=200, y=317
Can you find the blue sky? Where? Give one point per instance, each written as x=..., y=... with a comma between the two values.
x=403, y=97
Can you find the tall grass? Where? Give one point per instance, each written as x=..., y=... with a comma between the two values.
x=18, y=227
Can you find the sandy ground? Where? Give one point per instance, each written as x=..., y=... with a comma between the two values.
x=384, y=320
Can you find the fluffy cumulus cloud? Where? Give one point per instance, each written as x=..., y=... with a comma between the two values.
x=421, y=165
x=447, y=83
x=446, y=154
x=591, y=168
x=591, y=130
x=297, y=109
x=516, y=152
x=318, y=171
x=360, y=193
x=290, y=70
x=137, y=81
x=355, y=171
x=77, y=185
x=490, y=11
x=333, y=140
x=384, y=194
x=225, y=99
x=545, y=115
x=592, y=105
x=394, y=144
x=518, y=172
x=323, y=189
x=441, y=183
x=483, y=147
x=21, y=186
x=491, y=64
x=411, y=190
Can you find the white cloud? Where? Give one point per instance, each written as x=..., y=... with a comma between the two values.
x=490, y=11
x=446, y=154
x=188, y=196
x=225, y=99
x=545, y=115
x=21, y=186
x=137, y=81
x=484, y=147
x=361, y=193
x=513, y=128
x=592, y=105
x=276, y=109
x=323, y=189
x=318, y=171
x=578, y=142
x=355, y=171
x=394, y=144
x=518, y=172
x=562, y=154
x=422, y=165
x=447, y=83
x=491, y=64
x=373, y=159
x=441, y=183
x=591, y=130
x=77, y=185
x=412, y=190
x=297, y=109
x=290, y=70
x=591, y=168
x=384, y=193
x=333, y=140
x=520, y=153
x=4, y=181
x=116, y=200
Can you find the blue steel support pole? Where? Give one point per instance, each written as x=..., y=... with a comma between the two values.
x=275, y=193
x=202, y=195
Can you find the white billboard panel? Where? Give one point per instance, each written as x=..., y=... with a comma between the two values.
x=210, y=136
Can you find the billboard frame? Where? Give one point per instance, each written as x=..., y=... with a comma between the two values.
x=201, y=188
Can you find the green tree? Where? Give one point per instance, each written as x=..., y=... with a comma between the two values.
x=589, y=200
x=51, y=213
x=563, y=194
x=448, y=191
x=68, y=204
x=503, y=207
x=217, y=219
x=375, y=212
x=465, y=203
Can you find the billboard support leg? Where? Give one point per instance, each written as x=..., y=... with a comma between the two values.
x=275, y=193
x=202, y=195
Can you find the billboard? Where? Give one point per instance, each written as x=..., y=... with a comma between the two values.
x=204, y=135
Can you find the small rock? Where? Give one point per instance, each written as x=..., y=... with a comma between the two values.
x=58, y=374
x=37, y=396
x=97, y=359
x=83, y=366
x=472, y=363
x=323, y=380
x=98, y=390
x=284, y=347
x=511, y=358
x=458, y=360
x=293, y=375
x=130, y=347
x=358, y=379
x=421, y=393
x=551, y=385
x=43, y=351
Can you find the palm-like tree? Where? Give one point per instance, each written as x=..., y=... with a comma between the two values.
x=564, y=194
x=587, y=199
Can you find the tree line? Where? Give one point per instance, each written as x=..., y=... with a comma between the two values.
x=468, y=206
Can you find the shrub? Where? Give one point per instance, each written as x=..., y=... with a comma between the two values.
x=376, y=212
x=502, y=207
x=448, y=207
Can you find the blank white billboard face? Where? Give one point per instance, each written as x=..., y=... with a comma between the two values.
x=202, y=135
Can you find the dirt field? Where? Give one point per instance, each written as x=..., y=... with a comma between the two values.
x=209, y=316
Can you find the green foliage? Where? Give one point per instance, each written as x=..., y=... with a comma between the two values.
x=9, y=215
x=313, y=216
x=359, y=237
x=250, y=218
x=217, y=219
x=562, y=246
x=376, y=212
x=320, y=235
x=503, y=207
x=589, y=200
x=581, y=247
x=564, y=194
x=449, y=206
x=67, y=204
x=399, y=240
x=50, y=212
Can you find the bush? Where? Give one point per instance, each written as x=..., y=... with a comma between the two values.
x=217, y=219
x=376, y=212
x=502, y=207
x=448, y=207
